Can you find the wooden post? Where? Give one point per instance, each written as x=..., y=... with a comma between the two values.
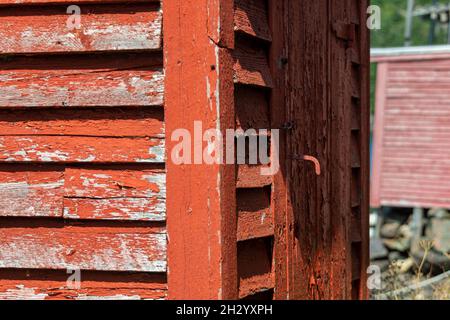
x=409, y=19
x=201, y=214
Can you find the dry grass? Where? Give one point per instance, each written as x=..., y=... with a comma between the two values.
x=398, y=284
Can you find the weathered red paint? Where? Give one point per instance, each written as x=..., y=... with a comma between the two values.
x=52, y=285
x=87, y=248
x=82, y=178
x=254, y=277
x=322, y=78
x=114, y=27
x=201, y=214
x=72, y=81
x=83, y=155
x=255, y=217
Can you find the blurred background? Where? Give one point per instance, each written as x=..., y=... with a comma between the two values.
x=410, y=149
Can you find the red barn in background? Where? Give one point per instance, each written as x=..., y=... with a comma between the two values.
x=411, y=146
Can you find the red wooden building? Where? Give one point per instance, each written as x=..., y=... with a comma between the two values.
x=86, y=119
x=411, y=146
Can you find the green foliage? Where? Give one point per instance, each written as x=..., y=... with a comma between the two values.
x=393, y=25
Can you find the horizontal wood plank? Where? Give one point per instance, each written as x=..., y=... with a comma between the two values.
x=105, y=122
x=252, y=108
x=251, y=17
x=254, y=267
x=255, y=218
x=80, y=193
x=69, y=149
x=125, y=80
x=102, y=28
x=249, y=176
x=31, y=193
x=53, y=285
x=86, y=248
x=47, y=2
x=115, y=194
x=251, y=66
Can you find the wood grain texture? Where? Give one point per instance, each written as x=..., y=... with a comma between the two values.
x=87, y=248
x=255, y=267
x=115, y=194
x=90, y=135
x=249, y=176
x=80, y=149
x=251, y=17
x=124, y=80
x=282, y=210
x=251, y=66
x=201, y=211
x=79, y=193
x=255, y=218
x=53, y=285
x=103, y=122
x=102, y=28
x=314, y=211
x=252, y=108
x=47, y=2
x=31, y=193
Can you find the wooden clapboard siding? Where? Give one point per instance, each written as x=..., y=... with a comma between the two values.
x=115, y=194
x=411, y=133
x=78, y=193
x=102, y=28
x=82, y=136
x=22, y=3
x=86, y=248
x=82, y=143
x=251, y=17
x=122, y=80
x=80, y=149
x=92, y=122
x=52, y=284
x=31, y=193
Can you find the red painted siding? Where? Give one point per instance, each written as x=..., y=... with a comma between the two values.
x=412, y=132
x=82, y=177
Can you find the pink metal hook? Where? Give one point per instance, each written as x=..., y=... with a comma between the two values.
x=316, y=163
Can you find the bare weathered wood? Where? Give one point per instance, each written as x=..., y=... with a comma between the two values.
x=251, y=17
x=130, y=80
x=86, y=248
x=115, y=194
x=52, y=284
x=80, y=149
x=46, y=2
x=105, y=28
x=31, y=193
